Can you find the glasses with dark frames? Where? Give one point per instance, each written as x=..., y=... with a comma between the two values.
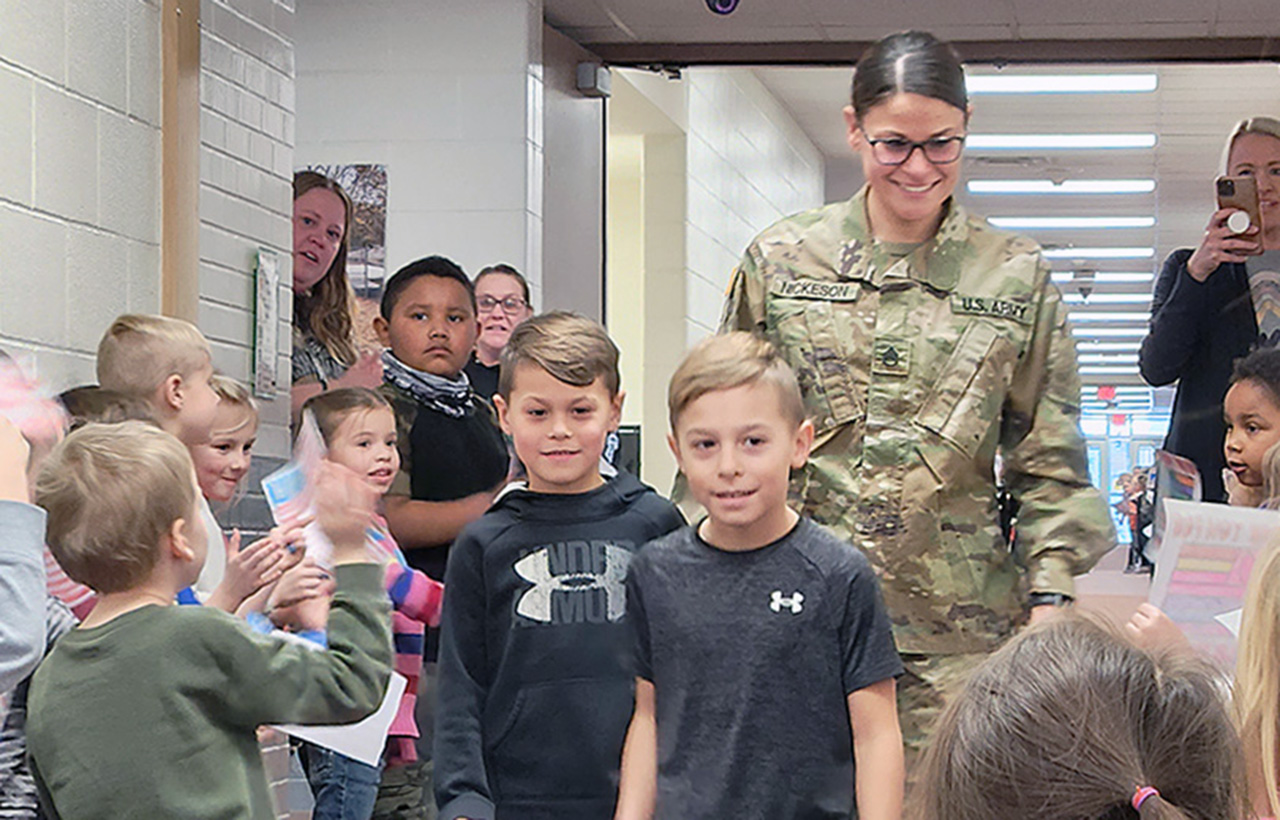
x=896, y=151
x=511, y=306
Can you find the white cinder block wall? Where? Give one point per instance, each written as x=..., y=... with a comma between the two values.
x=246, y=202
x=449, y=96
x=748, y=166
x=79, y=176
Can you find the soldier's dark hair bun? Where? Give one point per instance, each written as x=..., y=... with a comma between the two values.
x=913, y=62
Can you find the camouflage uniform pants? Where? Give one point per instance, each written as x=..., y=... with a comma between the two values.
x=924, y=690
x=408, y=792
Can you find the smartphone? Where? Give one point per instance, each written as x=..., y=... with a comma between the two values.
x=1241, y=193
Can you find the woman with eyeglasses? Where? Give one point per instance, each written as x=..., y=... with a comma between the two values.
x=502, y=302
x=926, y=343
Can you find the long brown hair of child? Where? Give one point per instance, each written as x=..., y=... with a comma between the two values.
x=332, y=407
x=327, y=312
x=1257, y=683
x=1068, y=721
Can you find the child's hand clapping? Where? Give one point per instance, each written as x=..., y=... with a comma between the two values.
x=305, y=581
x=250, y=570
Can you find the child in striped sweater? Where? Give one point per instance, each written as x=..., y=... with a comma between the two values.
x=359, y=430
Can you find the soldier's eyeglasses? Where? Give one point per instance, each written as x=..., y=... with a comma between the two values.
x=894, y=151
x=511, y=306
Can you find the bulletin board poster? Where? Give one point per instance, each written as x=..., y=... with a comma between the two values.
x=1203, y=570
x=366, y=184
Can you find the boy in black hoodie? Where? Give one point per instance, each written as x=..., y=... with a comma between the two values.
x=535, y=689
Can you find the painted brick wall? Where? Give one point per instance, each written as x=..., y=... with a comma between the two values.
x=246, y=202
x=749, y=165
x=79, y=176
x=449, y=95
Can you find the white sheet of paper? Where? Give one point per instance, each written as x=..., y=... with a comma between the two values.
x=362, y=741
x=1231, y=620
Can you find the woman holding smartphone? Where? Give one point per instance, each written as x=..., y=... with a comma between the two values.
x=1214, y=303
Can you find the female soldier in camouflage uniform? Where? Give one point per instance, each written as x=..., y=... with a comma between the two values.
x=926, y=342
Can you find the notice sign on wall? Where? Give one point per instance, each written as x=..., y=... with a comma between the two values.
x=266, y=328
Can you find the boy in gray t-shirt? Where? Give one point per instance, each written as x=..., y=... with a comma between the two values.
x=764, y=658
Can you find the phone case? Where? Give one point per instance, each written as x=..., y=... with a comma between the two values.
x=1241, y=193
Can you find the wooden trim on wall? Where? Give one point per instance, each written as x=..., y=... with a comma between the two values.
x=180, y=160
x=997, y=52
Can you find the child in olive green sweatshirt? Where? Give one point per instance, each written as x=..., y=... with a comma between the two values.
x=150, y=709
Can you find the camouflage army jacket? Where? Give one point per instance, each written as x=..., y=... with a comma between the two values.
x=918, y=363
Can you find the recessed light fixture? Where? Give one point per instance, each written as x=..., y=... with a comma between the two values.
x=1107, y=298
x=1108, y=316
x=1098, y=253
x=1069, y=186
x=1060, y=83
x=1055, y=223
x=1111, y=332
x=1010, y=142
x=1116, y=278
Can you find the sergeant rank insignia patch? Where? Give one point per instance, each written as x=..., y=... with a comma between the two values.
x=891, y=357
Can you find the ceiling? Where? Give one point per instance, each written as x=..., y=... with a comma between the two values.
x=834, y=30
x=1191, y=110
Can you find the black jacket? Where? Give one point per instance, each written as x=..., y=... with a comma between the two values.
x=536, y=685
x=1198, y=329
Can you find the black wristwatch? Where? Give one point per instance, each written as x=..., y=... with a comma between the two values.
x=1049, y=599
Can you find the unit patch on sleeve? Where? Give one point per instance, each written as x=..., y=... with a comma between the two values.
x=815, y=289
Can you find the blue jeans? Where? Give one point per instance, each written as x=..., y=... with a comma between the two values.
x=344, y=789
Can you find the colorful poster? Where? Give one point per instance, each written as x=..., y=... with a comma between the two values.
x=1204, y=566
x=1176, y=478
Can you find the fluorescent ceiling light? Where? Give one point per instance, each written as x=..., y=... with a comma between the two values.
x=1108, y=316
x=1107, y=298
x=1107, y=347
x=1010, y=142
x=1112, y=332
x=1068, y=186
x=1098, y=253
x=1047, y=223
x=1103, y=278
x=1060, y=83
x=1100, y=370
x=1102, y=358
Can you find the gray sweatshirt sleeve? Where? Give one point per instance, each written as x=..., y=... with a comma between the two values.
x=22, y=591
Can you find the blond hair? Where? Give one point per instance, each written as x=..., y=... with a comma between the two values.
x=569, y=346
x=1067, y=720
x=733, y=360
x=138, y=352
x=1253, y=125
x=234, y=394
x=112, y=492
x=1257, y=683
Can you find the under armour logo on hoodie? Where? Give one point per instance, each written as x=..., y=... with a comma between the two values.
x=574, y=582
x=795, y=603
